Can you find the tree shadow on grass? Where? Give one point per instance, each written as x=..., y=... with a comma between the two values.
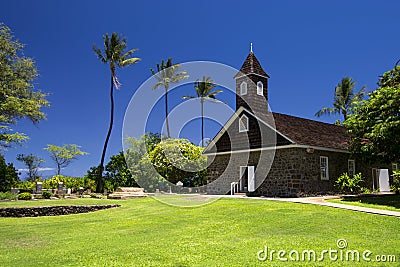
x=391, y=200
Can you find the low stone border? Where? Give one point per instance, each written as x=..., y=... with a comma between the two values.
x=51, y=210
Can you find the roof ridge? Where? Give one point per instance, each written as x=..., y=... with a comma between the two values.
x=331, y=124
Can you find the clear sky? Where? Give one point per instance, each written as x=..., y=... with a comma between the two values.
x=305, y=46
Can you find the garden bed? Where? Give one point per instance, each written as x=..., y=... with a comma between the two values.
x=52, y=210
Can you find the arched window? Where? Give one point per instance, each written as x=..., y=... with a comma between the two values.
x=260, y=88
x=243, y=88
x=243, y=124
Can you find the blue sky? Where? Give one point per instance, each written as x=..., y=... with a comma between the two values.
x=305, y=46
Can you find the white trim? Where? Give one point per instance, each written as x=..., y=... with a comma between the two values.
x=251, y=179
x=326, y=170
x=251, y=73
x=277, y=148
x=243, y=88
x=260, y=89
x=232, y=119
x=246, y=126
x=242, y=170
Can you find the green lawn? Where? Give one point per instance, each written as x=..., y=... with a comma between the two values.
x=390, y=202
x=227, y=232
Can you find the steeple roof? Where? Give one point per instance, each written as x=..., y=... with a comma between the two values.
x=251, y=66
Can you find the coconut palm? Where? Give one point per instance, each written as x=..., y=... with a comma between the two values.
x=168, y=73
x=344, y=99
x=113, y=54
x=204, y=92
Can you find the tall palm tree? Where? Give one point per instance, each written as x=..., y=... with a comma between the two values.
x=167, y=73
x=113, y=54
x=203, y=92
x=344, y=99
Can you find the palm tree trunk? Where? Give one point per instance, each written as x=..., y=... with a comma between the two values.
x=202, y=122
x=99, y=186
x=166, y=112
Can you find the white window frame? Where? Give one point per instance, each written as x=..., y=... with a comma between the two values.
x=243, y=127
x=243, y=88
x=395, y=167
x=324, y=167
x=351, y=167
x=260, y=88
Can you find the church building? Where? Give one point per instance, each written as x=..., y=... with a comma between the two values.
x=259, y=152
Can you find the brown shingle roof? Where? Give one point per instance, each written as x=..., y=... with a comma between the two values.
x=311, y=133
x=251, y=65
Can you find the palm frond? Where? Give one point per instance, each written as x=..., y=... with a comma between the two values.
x=326, y=111
x=129, y=53
x=188, y=97
x=129, y=61
x=99, y=54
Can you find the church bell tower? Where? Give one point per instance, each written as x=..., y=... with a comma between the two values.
x=252, y=86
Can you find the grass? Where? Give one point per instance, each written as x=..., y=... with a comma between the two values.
x=389, y=202
x=227, y=232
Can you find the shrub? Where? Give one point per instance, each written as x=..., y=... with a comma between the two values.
x=25, y=196
x=26, y=185
x=365, y=190
x=345, y=183
x=8, y=195
x=47, y=194
x=395, y=187
x=8, y=175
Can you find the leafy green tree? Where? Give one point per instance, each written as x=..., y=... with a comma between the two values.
x=168, y=73
x=115, y=56
x=345, y=98
x=138, y=162
x=33, y=163
x=18, y=97
x=117, y=172
x=203, y=93
x=8, y=175
x=374, y=125
x=64, y=155
x=179, y=160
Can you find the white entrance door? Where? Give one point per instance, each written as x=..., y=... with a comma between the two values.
x=384, y=180
x=380, y=180
x=252, y=179
x=247, y=179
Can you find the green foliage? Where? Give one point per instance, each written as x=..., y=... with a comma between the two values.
x=179, y=160
x=7, y=195
x=114, y=54
x=375, y=124
x=26, y=185
x=118, y=174
x=395, y=186
x=73, y=183
x=138, y=162
x=8, y=175
x=167, y=73
x=364, y=190
x=33, y=162
x=390, y=78
x=344, y=99
x=25, y=196
x=64, y=155
x=204, y=93
x=346, y=184
x=18, y=96
x=47, y=194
